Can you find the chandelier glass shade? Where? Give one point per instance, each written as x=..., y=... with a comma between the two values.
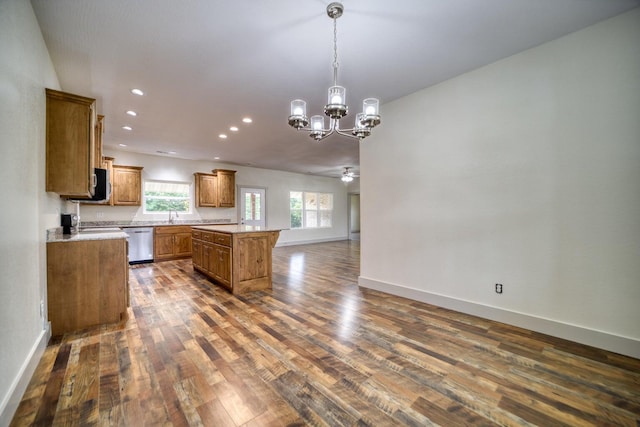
x=336, y=107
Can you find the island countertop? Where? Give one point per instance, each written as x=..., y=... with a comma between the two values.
x=236, y=228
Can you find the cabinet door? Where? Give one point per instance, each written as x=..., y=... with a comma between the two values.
x=222, y=255
x=163, y=246
x=206, y=258
x=127, y=185
x=226, y=188
x=196, y=253
x=206, y=190
x=253, y=258
x=98, y=140
x=182, y=244
x=70, y=144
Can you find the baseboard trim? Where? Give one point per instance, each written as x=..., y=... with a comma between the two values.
x=308, y=242
x=20, y=383
x=606, y=341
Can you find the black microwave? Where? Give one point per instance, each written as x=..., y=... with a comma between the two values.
x=102, y=190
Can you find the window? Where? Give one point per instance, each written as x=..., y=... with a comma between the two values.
x=164, y=196
x=310, y=210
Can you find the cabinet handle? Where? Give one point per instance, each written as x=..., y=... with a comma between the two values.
x=94, y=180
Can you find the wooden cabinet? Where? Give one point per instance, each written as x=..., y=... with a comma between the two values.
x=171, y=242
x=127, y=186
x=206, y=193
x=70, y=147
x=87, y=283
x=216, y=190
x=99, y=129
x=241, y=262
x=226, y=188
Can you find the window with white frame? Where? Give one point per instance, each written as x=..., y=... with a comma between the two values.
x=310, y=209
x=165, y=196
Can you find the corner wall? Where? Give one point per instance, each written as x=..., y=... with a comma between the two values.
x=27, y=210
x=525, y=172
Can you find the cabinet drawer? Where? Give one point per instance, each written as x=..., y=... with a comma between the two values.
x=207, y=236
x=196, y=234
x=222, y=239
x=173, y=229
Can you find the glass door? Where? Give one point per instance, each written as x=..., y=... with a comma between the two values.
x=252, y=206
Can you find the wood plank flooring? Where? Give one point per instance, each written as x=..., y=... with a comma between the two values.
x=317, y=350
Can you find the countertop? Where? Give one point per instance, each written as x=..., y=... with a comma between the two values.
x=55, y=235
x=235, y=228
x=129, y=224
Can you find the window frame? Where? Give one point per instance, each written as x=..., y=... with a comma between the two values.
x=318, y=210
x=189, y=198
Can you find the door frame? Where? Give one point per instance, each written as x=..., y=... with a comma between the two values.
x=353, y=235
x=241, y=201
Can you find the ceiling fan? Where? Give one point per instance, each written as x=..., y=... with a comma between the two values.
x=348, y=175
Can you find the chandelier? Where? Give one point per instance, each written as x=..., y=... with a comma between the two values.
x=336, y=107
x=347, y=175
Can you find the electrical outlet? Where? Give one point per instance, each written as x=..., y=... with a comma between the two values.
x=42, y=309
x=498, y=288
x=99, y=214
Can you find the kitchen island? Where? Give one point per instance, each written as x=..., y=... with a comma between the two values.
x=237, y=257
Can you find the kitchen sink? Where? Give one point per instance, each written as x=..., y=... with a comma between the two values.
x=99, y=230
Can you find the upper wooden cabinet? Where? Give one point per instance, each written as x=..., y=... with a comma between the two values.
x=127, y=186
x=226, y=188
x=206, y=190
x=71, y=156
x=216, y=190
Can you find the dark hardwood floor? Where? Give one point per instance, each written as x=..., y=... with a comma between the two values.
x=317, y=350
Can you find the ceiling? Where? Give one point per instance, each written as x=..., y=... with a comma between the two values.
x=205, y=64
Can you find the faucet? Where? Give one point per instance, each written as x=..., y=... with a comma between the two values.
x=171, y=219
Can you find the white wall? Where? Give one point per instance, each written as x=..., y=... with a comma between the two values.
x=277, y=184
x=525, y=172
x=27, y=210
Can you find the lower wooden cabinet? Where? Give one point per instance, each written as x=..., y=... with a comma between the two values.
x=171, y=242
x=87, y=283
x=241, y=262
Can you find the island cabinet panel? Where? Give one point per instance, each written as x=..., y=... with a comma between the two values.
x=172, y=242
x=87, y=283
x=241, y=262
x=253, y=258
x=70, y=146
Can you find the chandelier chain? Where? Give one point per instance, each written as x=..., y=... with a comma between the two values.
x=335, y=51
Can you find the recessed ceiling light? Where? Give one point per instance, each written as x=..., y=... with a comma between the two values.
x=216, y=158
x=132, y=113
x=172, y=152
x=137, y=92
x=247, y=120
x=122, y=145
x=233, y=128
x=127, y=128
x=222, y=136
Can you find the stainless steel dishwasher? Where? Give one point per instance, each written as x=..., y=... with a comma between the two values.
x=140, y=244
